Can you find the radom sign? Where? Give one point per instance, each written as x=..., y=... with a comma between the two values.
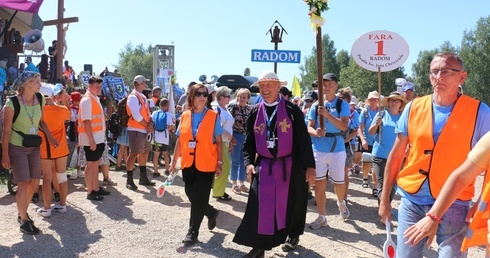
x=279, y=56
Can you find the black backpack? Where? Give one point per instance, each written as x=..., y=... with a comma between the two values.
x=122, y=112
x=113, y=125
x=15, y=102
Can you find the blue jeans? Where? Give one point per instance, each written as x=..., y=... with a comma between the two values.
x=237, y=161
x=449, y=236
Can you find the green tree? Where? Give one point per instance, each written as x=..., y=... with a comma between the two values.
x=309, y=71
x=475, y=52
x=343, y=59
x=135, y=60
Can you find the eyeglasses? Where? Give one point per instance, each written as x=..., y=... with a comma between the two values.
x=201, y=93
x=373, y=100
x=444, y=72
x=394, y=101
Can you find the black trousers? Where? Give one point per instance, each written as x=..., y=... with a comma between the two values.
x=197, y=188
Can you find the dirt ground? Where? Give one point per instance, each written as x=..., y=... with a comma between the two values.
x=138, y=224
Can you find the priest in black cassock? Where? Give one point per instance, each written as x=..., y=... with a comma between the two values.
x=279, y=161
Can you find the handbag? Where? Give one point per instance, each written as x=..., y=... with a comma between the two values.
x=30, y=140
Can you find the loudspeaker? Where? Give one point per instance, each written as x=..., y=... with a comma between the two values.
x=33, y=41
x=88, y=68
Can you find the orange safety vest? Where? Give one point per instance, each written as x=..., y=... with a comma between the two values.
x=144, y=111
x=435, y=162
x=206, y=150
x=477, y=233
x=97, y=121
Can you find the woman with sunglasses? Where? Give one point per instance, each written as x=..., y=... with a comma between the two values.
x=200, y=147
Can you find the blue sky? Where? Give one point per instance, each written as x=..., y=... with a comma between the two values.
x=216, y=37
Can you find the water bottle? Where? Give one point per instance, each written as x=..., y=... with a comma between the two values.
x=170, y=179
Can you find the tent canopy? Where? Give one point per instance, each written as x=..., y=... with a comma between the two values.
x=22, y=21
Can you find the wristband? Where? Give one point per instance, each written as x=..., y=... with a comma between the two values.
x=433, y=217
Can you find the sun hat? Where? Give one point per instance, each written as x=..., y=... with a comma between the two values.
x=373, y=95
x=353, y=100
x=57, y=88
x=46, y=90
x=23, y=78
x=394, y=95
x=267, y=76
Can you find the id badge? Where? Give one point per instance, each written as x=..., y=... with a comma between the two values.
x=32, y=130
x=271, y=144
x=192, y=144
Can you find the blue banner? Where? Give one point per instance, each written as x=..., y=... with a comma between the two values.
x=276, y=56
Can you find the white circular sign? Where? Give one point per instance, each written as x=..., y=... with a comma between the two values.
x=380, y=49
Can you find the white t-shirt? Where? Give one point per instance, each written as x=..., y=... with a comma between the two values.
x=85, y=112
x=227, y=122
x=163, y=137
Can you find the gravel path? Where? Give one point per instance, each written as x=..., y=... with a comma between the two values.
x=138, y=224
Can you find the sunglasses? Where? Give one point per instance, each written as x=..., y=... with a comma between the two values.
x=201, y=93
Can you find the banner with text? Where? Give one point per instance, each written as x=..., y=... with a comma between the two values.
x=276, y=56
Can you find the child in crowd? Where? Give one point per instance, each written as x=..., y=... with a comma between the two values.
x=163, y=126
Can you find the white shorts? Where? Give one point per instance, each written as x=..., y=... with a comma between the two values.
x=331, y=164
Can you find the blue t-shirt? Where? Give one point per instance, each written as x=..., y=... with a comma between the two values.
x=196, y=121
x=31, y=67
x=366, y=117
x=324, y=144
x=439, y=118
x=388, y=136
x=354, y=123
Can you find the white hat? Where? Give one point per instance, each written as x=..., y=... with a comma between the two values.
x=373, y=95
x=139, y=79
x=353, y=100
x=211, y=88
x=46, y=90
x=268, y=76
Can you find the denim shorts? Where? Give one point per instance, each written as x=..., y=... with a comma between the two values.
x=449, y=236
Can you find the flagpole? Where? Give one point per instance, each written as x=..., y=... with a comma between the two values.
x=319, y=65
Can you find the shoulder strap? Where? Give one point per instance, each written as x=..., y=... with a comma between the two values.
x=338, y=106
x=15, y=103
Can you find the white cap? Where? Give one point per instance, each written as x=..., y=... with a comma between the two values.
x=46, y=90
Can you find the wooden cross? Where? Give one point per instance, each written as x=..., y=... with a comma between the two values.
x=60, y=39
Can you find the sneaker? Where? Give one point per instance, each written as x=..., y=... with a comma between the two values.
x=73, y=175
x=109, y=182
x=344, y=211
x=20, y=220
x=101, y=191
x=235, y=189
x=57, y=197
x=244, y=189
x=365, y=183
x=190, y=238
x=44, y=212
x=35, y=198
x=27, y=227
x=93, y=196
x=146, y=181
x=357, y=169
x=81, y=173
x=212, y=220
x=290, y=244
x=120, y=168
x=59, y=208
x=321, y=221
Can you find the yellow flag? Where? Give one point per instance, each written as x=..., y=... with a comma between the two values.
x=295, y=87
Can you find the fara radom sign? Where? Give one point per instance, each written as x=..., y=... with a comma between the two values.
x=380, y=49
x=279, y=56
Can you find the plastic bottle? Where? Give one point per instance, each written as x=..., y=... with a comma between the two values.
x=170, y=179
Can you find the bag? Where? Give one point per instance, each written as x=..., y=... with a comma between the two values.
x=123, y=113
x=30, y=140
x=160, y=121
x=114, y=125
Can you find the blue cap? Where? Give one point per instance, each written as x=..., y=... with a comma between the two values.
x=58, y=87
x=408, y=86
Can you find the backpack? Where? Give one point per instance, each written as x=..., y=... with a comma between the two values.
x=113, y=125
x=123, y=113
x=160, y=121
x=338, y=107
x=16, y=104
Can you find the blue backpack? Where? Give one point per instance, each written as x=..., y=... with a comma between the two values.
x=160, y=121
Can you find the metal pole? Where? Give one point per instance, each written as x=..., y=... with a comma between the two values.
x=275, y=63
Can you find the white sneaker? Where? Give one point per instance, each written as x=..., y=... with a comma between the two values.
x=59, y=208
x=81, y=173
x=73, y=175
x=321, y=221
x=344, y=211
x=44, y=212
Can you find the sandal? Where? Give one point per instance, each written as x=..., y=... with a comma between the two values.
x=375, y=193
x=244, y=189
x=225, y=197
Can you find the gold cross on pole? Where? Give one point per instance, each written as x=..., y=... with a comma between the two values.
x=60, y=39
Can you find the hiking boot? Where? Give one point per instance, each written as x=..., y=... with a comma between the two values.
x=109, y=182
x=93, y=196
x=59, y=208
x=146, y=181
x=321, y=221
x=290, y=244
x=212, y=220
x=27, y=227
x=57, y=197
x=255, y=253
x=190, y=238
x=35, y=198
x=131, y=186
x=44, y=212
x=344, y=211
x=101, y=191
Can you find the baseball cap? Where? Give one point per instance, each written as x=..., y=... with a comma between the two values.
x=408, y=86
x=311, y=95
x=76, y=96
x=140, y=79
x=330, y=77
x=46, y=90
x=156, y=88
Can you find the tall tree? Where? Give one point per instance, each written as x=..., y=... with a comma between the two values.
x=135, y=61
x=309, y=69
x=343, y=59
x=475, y=49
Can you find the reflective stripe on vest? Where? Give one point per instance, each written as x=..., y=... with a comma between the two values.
x=206, y=152
x=97, y=121
x=144, y=111
x=435, y=163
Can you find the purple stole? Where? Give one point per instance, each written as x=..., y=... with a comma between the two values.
x=274, y=172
